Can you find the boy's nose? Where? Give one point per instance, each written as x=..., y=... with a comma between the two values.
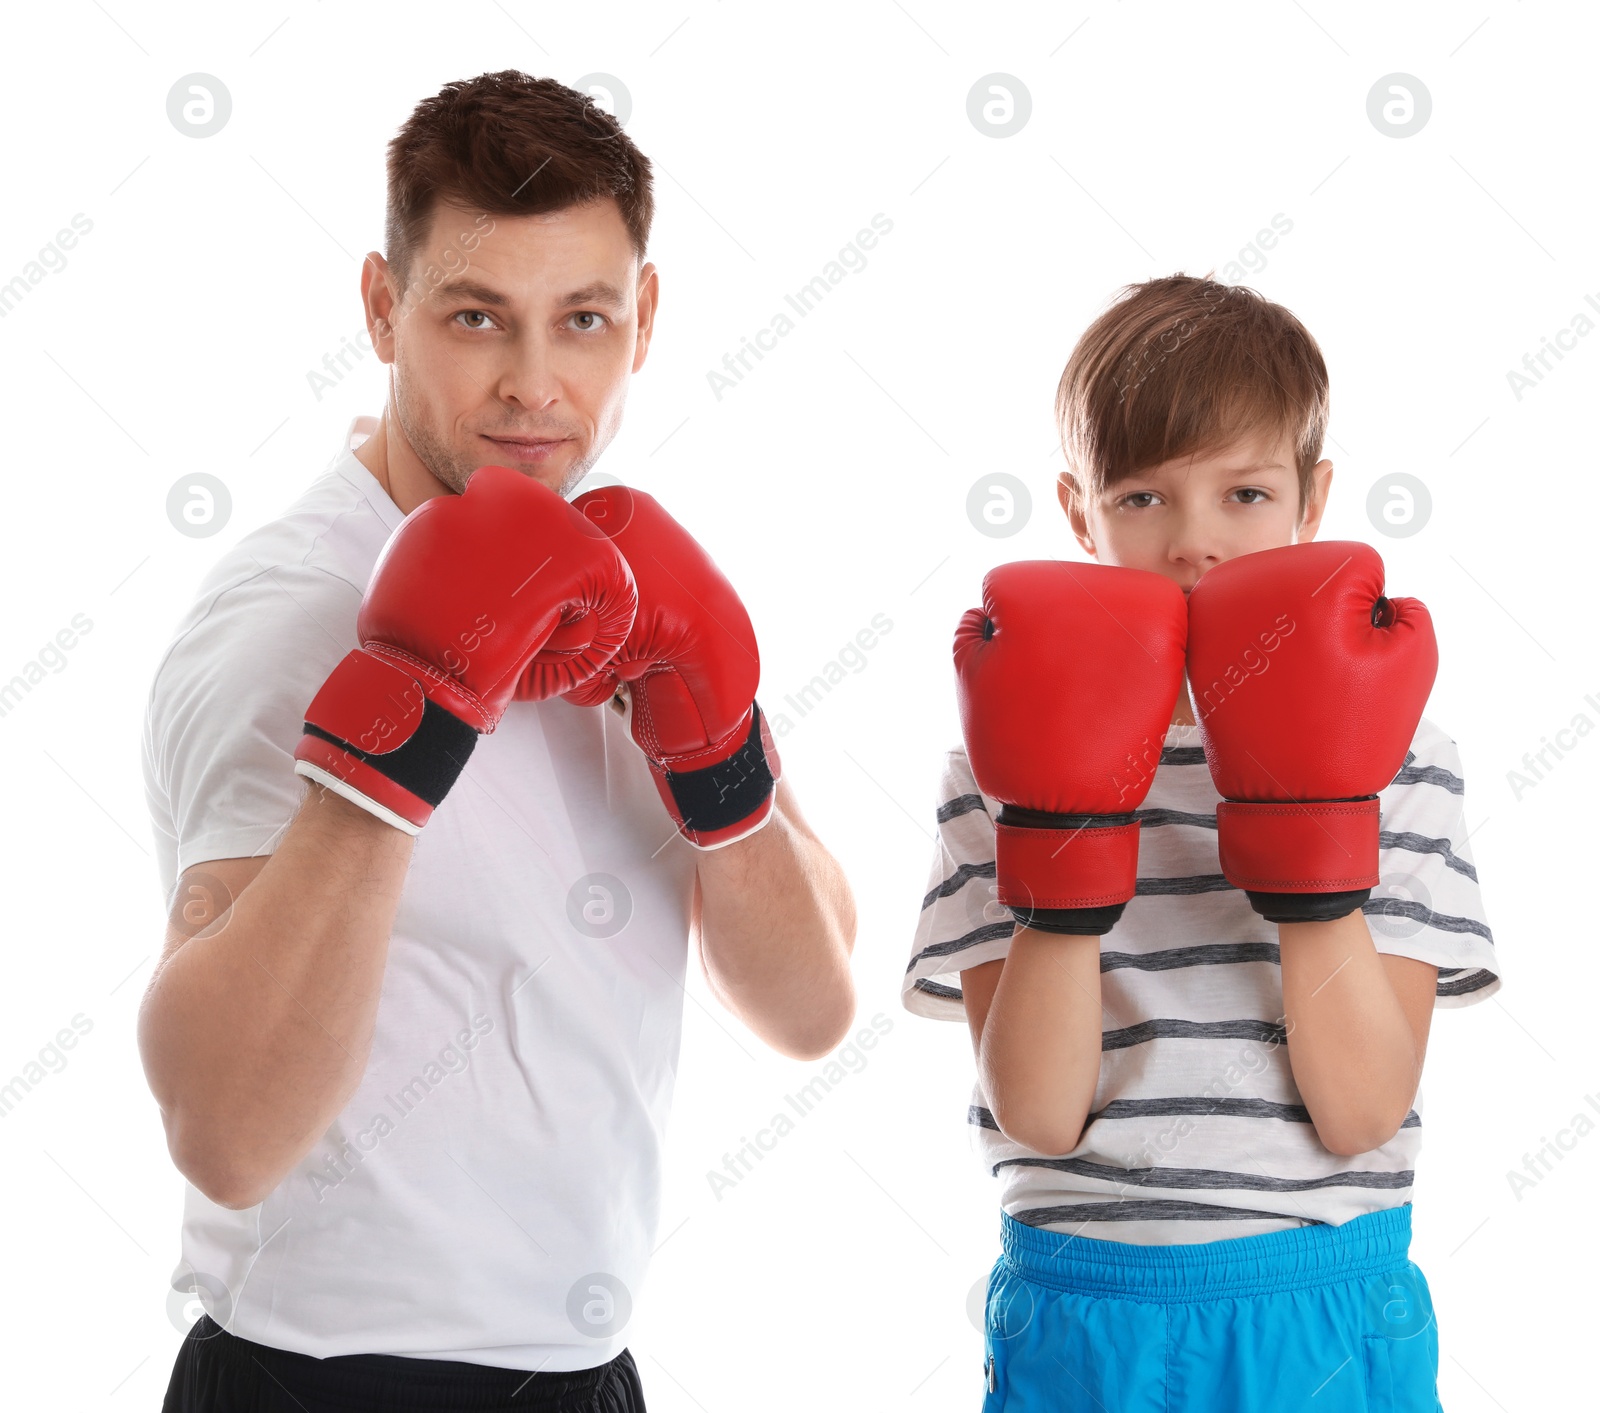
x=1192, y=554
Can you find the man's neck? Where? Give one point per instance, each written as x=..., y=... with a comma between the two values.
x=395, y=467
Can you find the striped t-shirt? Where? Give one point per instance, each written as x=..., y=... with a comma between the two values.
x=1197, y=1131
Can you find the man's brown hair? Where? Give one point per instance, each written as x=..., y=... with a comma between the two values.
x=509, y=144
x=1184, y=364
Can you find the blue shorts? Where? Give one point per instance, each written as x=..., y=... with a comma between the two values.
x=1325, y=1319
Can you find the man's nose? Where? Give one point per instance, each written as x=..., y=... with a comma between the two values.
x=529, y=375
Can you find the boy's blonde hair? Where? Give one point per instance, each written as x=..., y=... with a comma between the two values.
x=1184, y=364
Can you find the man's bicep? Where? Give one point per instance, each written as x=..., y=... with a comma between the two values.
x=203, y=896
x=977, y=991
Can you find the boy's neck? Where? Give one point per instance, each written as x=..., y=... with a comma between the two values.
x=1182, y=713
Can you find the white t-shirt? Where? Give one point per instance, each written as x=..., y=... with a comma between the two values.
x=1197, y=1131
x=490, y=1193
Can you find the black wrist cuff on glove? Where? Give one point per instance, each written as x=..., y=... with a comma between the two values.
x=721, y=795
x=1307, y=907
x=1045, y=819
x=1079, y=922
x=428, y=763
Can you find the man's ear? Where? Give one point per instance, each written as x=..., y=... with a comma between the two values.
x=378, y=301
x=1316, y=502
x=649, y=293
x=1072, y=502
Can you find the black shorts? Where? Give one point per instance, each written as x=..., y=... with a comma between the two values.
x=217, y=1372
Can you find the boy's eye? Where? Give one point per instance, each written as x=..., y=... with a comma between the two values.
x=1143, y=497
x=1252, y=491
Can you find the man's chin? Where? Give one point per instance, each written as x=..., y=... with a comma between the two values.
x=561, y=476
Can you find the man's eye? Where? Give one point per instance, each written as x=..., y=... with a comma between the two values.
x=473, y=314
x=597, y=319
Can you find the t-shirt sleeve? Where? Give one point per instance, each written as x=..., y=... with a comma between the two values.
x=1427, y=904
x=226, y=711
x=962, y=922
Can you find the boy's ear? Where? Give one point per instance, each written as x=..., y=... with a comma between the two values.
x=1316, y=503
x=1072, y=503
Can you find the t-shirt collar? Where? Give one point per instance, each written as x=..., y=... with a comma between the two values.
x=349, y=466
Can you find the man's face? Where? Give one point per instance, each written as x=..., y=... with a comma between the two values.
x=520, y=355
x=1188, y=515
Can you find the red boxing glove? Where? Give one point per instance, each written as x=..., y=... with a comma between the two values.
x=1307, y=684
x=503, y=589
x=687, y=675
x=1067, y=677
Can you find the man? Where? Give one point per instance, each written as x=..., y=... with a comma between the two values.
x=414, y=1043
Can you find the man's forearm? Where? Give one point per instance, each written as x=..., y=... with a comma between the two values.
x=257, y=1030
x=1351, y=1049
x=777, y=925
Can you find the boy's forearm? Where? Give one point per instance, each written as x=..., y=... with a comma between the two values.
x=1039, y=1059
x=258, y=1028
x=1351, y=1049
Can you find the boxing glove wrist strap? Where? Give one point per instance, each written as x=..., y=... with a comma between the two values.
x=1300, y=862
x=716, y=801
x=1070, y=873
x=373, y=735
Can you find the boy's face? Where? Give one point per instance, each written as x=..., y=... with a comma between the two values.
x=1187, y=515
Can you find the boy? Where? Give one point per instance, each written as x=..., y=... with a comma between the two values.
x=1205, y=1138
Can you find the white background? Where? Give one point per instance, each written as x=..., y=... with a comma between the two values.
x=831, y=485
